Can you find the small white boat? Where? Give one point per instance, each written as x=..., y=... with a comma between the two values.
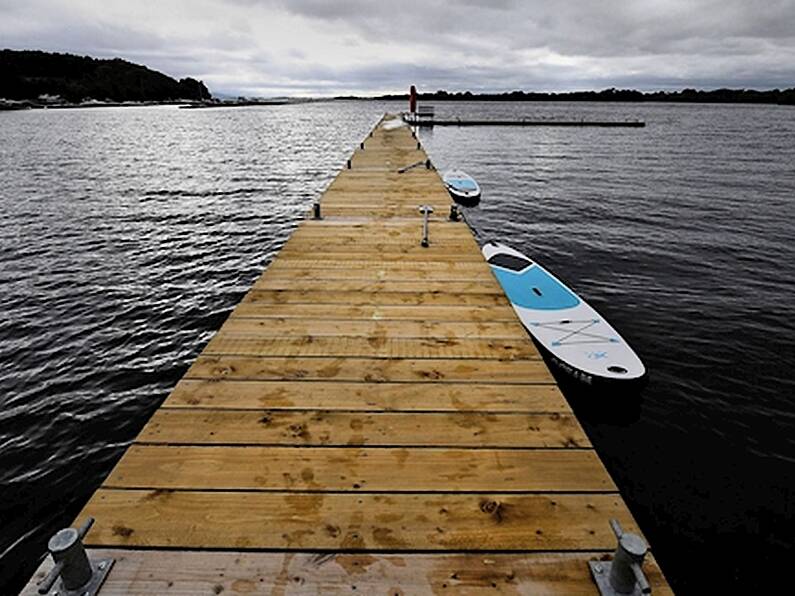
x=575, y=337
x=462, y=187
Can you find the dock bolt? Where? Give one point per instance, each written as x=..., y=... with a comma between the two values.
x=77, y=574
x=624, y=574
x=426, y=211
x=316, y=210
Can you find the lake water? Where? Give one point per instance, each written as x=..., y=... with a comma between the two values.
x=128, y=234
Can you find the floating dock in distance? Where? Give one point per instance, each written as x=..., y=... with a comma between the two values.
x=570, y=123
x=372, y=417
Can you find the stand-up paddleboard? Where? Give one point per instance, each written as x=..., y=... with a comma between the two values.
x=577, y=339
x=462, y=187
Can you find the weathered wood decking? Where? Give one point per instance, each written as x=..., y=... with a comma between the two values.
x=371, y=418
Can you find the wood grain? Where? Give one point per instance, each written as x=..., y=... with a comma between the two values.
x=336, y=428
x=225, y=343
x=371, y=370
x=392, y=329
x=207, y=573
x=360, y=469
x=355, y=522
x=398, y=397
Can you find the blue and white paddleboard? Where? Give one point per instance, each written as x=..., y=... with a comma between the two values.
x=461, y=186
x=575, y=336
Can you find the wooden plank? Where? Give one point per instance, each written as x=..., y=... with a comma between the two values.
x=291, y=296
x=388, y=237
x=355, y=522
x=377, y=312
x=338, y=428
x=209, y=573
x=294, y=327
x=233, y=344
x=361, y=243
x=275, y=282
x=359, y=469
x=409, y=248
x=285, y=262
x=402, y=397
x=370, y=370
x=397, y=256
x=319, y=273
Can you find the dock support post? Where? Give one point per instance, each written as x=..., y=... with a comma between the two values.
x=77, y=573
x=624, y=574
x=426, y=211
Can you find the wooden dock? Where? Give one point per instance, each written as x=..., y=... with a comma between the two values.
x=372, y=418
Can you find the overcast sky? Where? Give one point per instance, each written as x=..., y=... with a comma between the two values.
x=329, y=47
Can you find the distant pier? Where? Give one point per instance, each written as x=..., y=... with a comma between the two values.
x=372, y=418
x=430, y=122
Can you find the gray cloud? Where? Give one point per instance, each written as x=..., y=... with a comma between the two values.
x=322, y=47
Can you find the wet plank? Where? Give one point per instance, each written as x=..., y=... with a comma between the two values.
x=275, y=282
x=359, y=469
x=207, y=573
x=377, y=313
x=327, y=296
x=336, y=428
x=355, y=522
x=402, y=397
x=225, y=343
x=393, y=329
x=370, y=369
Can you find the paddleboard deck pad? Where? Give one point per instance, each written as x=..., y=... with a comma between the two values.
x=577, y=339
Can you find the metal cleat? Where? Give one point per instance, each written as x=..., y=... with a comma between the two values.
x=74, y=574
x=624, y=574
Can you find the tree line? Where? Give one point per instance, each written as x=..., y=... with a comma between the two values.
x=773, y=96
x=28, y=75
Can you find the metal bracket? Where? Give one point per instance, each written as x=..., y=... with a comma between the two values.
x=74, y=574
x=426, y=210
x=411, y=167
x=624, y=574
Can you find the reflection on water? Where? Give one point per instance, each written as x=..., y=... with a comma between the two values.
x=127, y=235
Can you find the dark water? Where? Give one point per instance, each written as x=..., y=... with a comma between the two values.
x=127, y=235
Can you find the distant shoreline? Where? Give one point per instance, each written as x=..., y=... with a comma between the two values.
x=9, y=106
x=717, y=96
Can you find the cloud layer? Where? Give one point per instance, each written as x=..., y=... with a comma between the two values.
x=319, y=47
